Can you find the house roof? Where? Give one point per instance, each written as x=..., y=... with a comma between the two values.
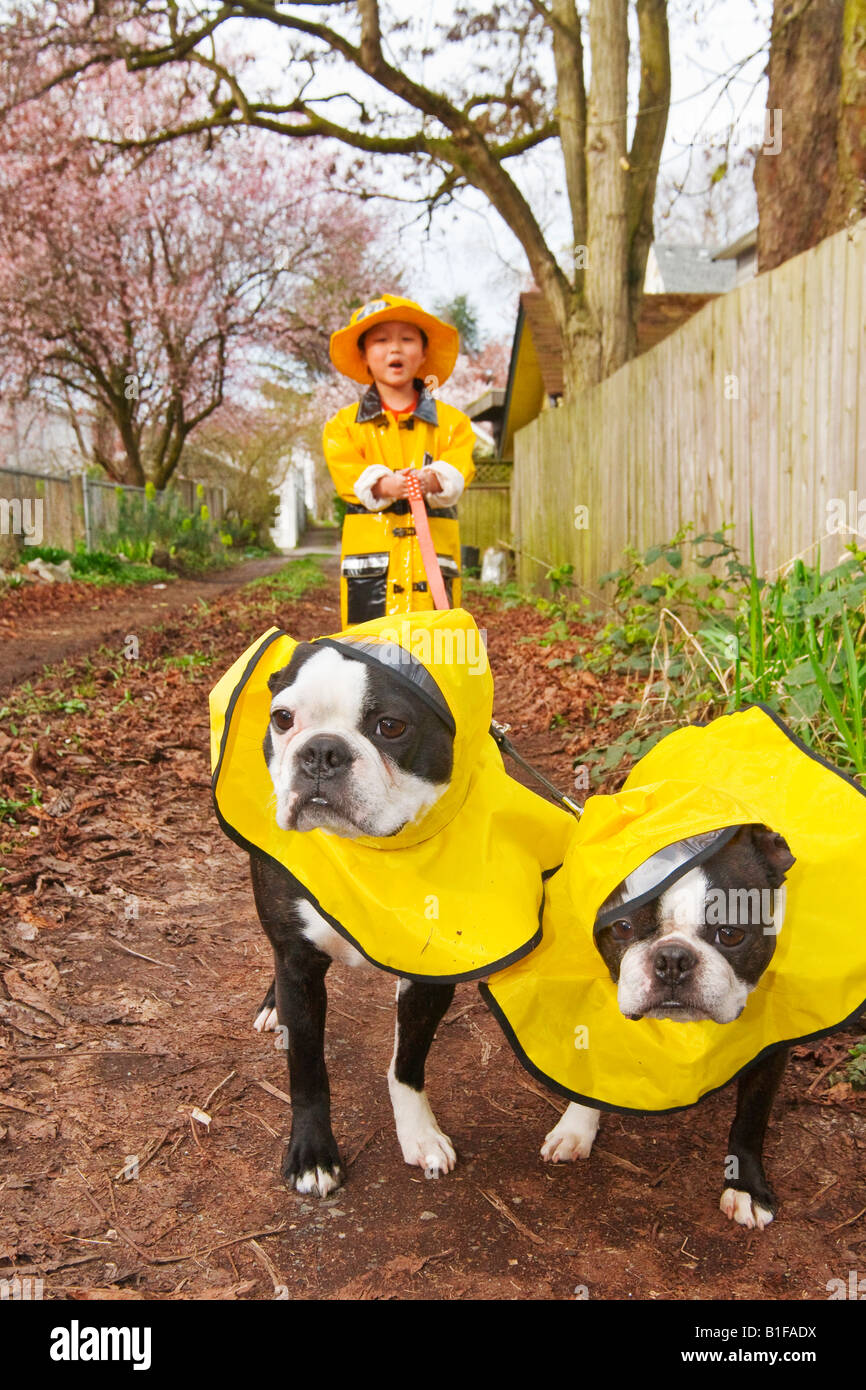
x=736, y=248
x=688, y=270
x=487, y=407
x=535, y=371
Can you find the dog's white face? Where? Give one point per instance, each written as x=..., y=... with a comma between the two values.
x=699, y=948
x=351, y=748
x=680, y=973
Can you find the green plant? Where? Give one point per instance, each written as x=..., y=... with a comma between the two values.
x=99, y=567
x=188, y=659
x=291, y=582
x=11, y=808
x=855, y=1070
x=510, y=595
x=52, y=553
x=27, y=702
x=706, y=643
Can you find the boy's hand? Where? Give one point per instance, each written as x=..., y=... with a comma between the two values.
x=390, y=486
x=429, y=481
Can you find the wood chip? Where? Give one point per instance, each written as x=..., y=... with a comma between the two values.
x=8, y=1102
x=274, y=1091
x=504, y=1210
x=621, y=1162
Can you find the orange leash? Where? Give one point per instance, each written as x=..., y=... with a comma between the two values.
x=425, y=540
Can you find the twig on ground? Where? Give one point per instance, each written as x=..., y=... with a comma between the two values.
x=124, y=1235
x=504, y=1210
x=850, y=1221
x=364, y=1144
x=224, y=1082
x=268, y=1264
x=118, y=946
x=274, y=1091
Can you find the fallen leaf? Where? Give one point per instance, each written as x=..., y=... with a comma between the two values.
x=25, y=993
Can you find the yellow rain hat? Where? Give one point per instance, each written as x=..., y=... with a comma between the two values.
x=443, y=340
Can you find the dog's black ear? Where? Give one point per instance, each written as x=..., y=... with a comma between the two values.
x=774, y=851
x=303, y=651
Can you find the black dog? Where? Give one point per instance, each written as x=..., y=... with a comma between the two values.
x=696, y=952
x=355, y=752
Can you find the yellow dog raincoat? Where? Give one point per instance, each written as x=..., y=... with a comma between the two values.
x=452, y=896
x=559, y=1006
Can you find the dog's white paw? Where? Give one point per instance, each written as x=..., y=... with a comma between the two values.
x=267, y=1021
x=573, y=1136
x=421, y=1140
x=322, y=1181
x=744, y=1210
x=431, y=1150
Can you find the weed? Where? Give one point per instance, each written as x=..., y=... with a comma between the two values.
x=291, y=582
x=10, y=808
x=188, y=659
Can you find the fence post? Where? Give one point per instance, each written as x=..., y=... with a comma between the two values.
x=86, y=497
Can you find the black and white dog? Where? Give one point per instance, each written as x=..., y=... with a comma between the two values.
x=670, y=959
x=352, y=751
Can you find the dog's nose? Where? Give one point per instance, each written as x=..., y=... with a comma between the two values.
x=673, y=963
x=325, y=756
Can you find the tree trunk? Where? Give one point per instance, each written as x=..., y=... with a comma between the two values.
x=849, y=202
x=795, y=185
x=581, y=352
x=607, y=165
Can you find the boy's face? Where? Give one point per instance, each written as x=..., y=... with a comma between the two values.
x=394, y=352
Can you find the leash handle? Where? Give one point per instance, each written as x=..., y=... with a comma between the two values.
x=498, y=733
x=424, y=538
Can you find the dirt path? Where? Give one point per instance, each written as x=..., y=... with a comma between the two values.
x=133, y=964
x=43, y=624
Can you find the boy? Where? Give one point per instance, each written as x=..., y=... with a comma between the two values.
x=391, y=345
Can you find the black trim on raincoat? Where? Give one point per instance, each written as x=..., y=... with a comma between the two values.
x=370, y=406
x=251, y=848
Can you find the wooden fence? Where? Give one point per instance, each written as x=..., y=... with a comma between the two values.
x=756, y=405
x=485, y=507
x=60, y=512
x=76, y=508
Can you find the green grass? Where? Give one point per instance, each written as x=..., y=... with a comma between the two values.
x=291, y=582
x=27, y=702
x=855, y=1070
x=10, y=809
x=709, y=635
x=188, y=659
x=98, y=567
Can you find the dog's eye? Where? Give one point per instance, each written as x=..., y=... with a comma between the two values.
x=730, y=936
x=622, y=930
x=282, y=719
x=390, y=728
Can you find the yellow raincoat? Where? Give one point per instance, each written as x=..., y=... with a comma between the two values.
x=559, y=1006
x=450, y=897
x=381, y=561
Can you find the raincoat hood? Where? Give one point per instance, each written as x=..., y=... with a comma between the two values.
x=457, y=892
x=678, y=807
